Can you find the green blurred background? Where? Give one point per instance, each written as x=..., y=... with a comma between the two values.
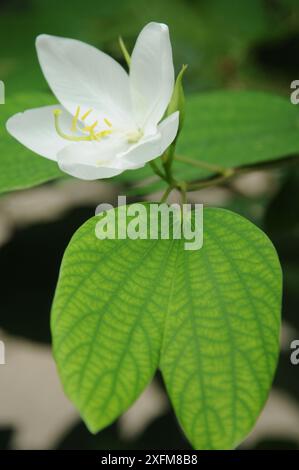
x=228, y=44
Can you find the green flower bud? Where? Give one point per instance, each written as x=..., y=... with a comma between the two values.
x=177, y=102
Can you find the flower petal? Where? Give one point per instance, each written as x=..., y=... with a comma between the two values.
x=151, y=75
x=80, y=74
x=153, y=146
x=35, y=129
x=92, y=160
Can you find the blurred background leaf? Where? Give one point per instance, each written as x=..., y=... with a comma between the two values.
x=21, y=168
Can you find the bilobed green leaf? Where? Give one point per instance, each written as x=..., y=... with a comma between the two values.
x=19, y=167
x=209, y=319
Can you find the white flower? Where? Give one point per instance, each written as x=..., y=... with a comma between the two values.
x=108, y=121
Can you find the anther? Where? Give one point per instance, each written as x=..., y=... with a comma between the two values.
x=106, y=121
x=101, y=134
x=75, y=120
x=86, y=114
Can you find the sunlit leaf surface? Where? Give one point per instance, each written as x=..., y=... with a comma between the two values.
x=209, y=319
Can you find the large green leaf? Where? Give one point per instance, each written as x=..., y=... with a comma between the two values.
x=239, y=128
x=19, y=167
x=209, y=319
x=232, y=129
x=221, y=333
x=107, y=329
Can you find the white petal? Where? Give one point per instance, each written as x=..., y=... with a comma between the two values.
x=92, y=160
x=80, y=74
x=35, y=129
x=151, y=74
x=151, y=147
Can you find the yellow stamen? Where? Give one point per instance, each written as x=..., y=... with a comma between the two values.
x=107, y=122
x=90, y=128
x=75, y=120
x=86, y=114
x=93, y=126
x=101, y=134
x=75, y=138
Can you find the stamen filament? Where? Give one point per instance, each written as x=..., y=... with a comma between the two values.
x=75, y=120
x=107, y=122
x=90, y=128
x=100, y=134
x=79, y=138
x=72, y=138
x=86, y=114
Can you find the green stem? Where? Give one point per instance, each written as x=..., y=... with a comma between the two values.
x=182, y=186
x=157, y=170
x=207, y=183
x=205, y=165
x=124, y=51
x=213, y=181
x=166, y=194
x=167, y=160
x=223, y=178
